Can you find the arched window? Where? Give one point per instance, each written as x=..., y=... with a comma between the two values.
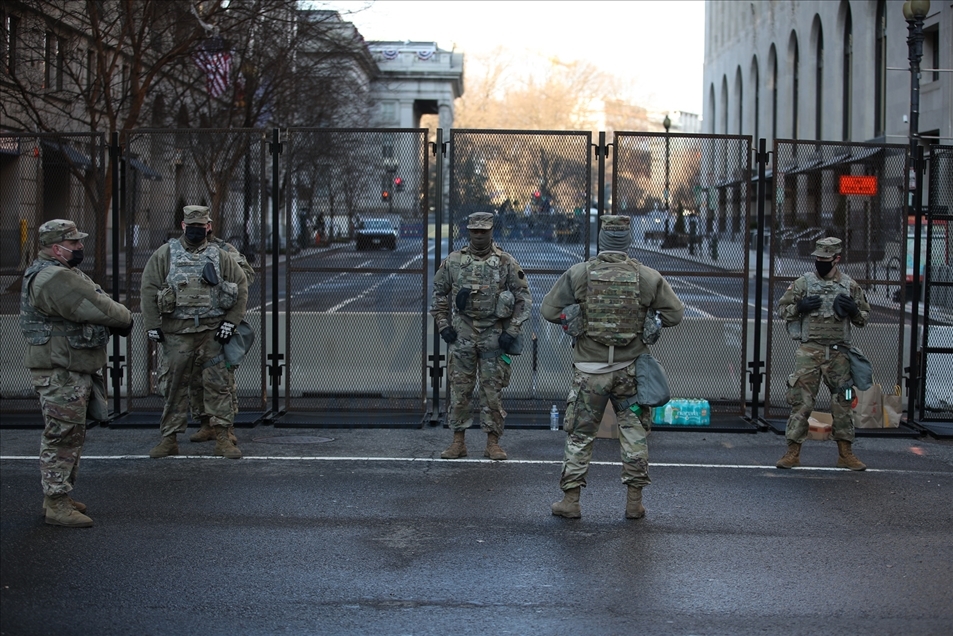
x=740, y=100
x=880, y=70
x=795, y=84
x=773, y=85
x=755, y=82
x=818, y=80
x=724, y=104
x=711, y=110
x=846, y=77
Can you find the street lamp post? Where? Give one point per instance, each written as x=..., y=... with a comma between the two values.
x=914, y=11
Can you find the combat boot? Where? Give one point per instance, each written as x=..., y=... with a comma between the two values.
x=81, y=507
x=846, y=457
x=457, y=449
x=791, y=458
x=569, y=506
x=60, y=512
x=224, y=446
x=633, y=503
x=493, y=450
x=204, y=434
x=168, y=446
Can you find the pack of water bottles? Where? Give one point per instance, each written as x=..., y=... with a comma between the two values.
x=683, y=412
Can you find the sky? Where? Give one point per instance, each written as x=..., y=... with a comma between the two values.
x=655, y=47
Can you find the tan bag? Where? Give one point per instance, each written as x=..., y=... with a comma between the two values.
x=868, y=413
x=893, y=408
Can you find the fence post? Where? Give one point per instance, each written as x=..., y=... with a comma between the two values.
x=755, y=366
x=916, y=200
x=274, y=356
x=115, y=370
x=436, y=369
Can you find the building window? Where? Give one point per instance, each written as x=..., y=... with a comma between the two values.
x=90, y=69
x=795, y=81
x=60, y=62
x=819, y=85
x=846, y=87
x=388, y=112
x=931, y=51
x=880, y=70
x=48, y=53
x=756, y=79
x=11, y=43
x=774, y=96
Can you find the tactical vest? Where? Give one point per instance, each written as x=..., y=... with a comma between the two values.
x=614, y=315
x=484, y=279
x=187, y=295
x=37, y=327
x=823, y=325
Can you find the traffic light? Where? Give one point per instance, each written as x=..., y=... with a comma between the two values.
x=398, y=184
x=385, y=196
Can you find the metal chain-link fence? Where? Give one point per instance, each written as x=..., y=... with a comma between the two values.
x=857, y=193
x=43, y=177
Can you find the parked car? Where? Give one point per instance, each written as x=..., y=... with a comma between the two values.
x=375, y=233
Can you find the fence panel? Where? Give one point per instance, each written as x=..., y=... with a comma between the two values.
x=43, y=177
x=163, y=171
x=855, y=192
x=538, y=185
x=355, y=296
x=689, y=197
x=937, y=353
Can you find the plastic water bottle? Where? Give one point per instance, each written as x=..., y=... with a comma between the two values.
x=554, y=418
x=682, y=417
x=670, y=413
x=705, y=413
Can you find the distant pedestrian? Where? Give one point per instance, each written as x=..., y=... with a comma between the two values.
x=820, y=308
x=603, y=303
x=66, y=319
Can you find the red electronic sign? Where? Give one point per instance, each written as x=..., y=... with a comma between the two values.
x=864, y=185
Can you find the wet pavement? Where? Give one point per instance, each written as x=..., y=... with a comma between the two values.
x=358, y=531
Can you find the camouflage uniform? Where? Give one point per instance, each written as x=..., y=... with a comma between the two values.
x=188, y=312
x=824, y=339
x=196, y=392
x=66, y=319
x=606, y=373
x=499, y=301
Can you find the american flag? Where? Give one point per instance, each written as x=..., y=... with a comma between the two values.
x=216, y=63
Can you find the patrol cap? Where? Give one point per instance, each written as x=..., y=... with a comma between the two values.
x=57, y=231
x=195, y=214
x=827, y=247
x=480, y=221
x=615, y=222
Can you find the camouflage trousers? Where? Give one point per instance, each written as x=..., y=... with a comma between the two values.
x=812, y=363
x=183, y=360
x=64, y=398
x=197, y=390
x=591, y=394
x=472, y=359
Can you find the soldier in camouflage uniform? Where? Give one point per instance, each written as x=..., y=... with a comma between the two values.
x=193, y=298
x=480, y=301
x=819, y=309
x=612, y=294
x=66, y=319
x=196, y=392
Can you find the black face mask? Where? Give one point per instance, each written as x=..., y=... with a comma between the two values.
x=76, y=256
x=195, y=233
x=823, y=267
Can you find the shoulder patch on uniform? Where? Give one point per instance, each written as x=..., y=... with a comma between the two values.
x=520, y=274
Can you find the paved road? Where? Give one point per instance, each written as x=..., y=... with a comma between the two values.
x=337, y=531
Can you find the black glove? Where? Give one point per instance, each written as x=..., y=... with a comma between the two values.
x=449, y=335
x=844, y=305
x=506, y=341
x=122, y=331
x=155, y=335
x=808, y=304
x=225, y=332
x=462, y=297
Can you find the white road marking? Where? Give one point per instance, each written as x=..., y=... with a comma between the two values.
x=509, y=462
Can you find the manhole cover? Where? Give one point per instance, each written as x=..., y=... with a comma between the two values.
x=294, y=439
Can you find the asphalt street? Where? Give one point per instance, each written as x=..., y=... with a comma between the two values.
x=367, y=531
